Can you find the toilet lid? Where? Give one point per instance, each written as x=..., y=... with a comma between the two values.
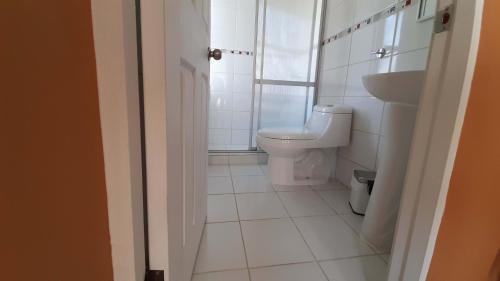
x=287, y=134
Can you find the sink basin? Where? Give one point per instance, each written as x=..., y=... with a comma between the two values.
x=398, y=87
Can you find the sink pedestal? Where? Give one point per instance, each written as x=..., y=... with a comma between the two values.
x=382, y=211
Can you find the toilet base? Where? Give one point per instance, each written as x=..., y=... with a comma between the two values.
x=281, y=172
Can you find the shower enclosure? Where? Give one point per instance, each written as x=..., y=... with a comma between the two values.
x=267, y=74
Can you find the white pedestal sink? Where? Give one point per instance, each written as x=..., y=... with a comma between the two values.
x=401, y=91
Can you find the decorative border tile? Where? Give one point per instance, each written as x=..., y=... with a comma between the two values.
x=389, y=11
x=237, y=52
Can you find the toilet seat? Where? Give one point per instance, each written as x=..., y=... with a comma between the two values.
x=288, y=134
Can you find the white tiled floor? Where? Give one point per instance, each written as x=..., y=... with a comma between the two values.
x=257, y=232
x=221, y=208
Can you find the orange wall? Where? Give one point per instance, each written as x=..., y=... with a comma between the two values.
x=468, y=245
x=53, y=213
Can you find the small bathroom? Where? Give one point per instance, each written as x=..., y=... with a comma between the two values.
x=310, y=122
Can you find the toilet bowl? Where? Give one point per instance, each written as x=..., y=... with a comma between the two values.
x=297, y=155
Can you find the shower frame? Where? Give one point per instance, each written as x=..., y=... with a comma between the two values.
x=260, y=81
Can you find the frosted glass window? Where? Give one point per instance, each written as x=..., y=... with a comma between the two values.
x=283, y=106
x=289, y=24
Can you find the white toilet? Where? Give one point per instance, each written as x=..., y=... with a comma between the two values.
x=297, y=155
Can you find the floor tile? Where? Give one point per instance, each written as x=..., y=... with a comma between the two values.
x=338, y=200
x=218, y=171
x=273, y=242
x=304, y=203
x=220, y=185
x=371, y=268
x=291, y=272
x=246, y=170
x=221, y=248
x=234, y=275
x=249, y=184
x=331, y=185
x=292, y=188
x=253, y=206
x=355, y=221
x=329, y=237
x=221, y=208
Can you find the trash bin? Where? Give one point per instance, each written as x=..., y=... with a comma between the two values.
x=361, y=188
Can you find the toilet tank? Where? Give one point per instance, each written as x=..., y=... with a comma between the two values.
x=332, y=123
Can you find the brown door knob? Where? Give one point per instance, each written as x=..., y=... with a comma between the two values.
x=216, y=54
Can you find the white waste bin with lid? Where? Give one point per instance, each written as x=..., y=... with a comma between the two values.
x=361, y=187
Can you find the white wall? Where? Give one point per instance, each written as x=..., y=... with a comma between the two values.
x=346, y=60
x=233, y=27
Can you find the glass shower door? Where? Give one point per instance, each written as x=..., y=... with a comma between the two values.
x=287, y=56
x=266, y=76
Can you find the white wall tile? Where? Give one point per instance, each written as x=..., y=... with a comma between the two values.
x=371, y=38
x=245, y=25
x=240, y=120
x=332, y=82
x=366, y=8
x=225, y=65
x=336, y=54
x=362, y=150
x=242, y=102
x=221, y=101
x=223, y=37
x=340, y=16
x=219, y=119
x=221, y=82
x=243, y=64
x=240, y=137
x=219, y=136
x=367, y=113
x=330, y=100
x=242, y=83
x=414, y=60
x=329, y=19
x=384, y=33
x=411, y=34
x=345, y=168
x=223, y=16
x=362, y=45
x=354, y=83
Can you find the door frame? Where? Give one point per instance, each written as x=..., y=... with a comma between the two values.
x=437, y=133
x=115, y=43
x=451, y=64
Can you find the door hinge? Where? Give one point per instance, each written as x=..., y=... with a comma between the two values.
x=154, y=275
x=443, y=20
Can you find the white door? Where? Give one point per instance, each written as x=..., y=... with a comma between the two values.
x=175, y=37
x=187, y=154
